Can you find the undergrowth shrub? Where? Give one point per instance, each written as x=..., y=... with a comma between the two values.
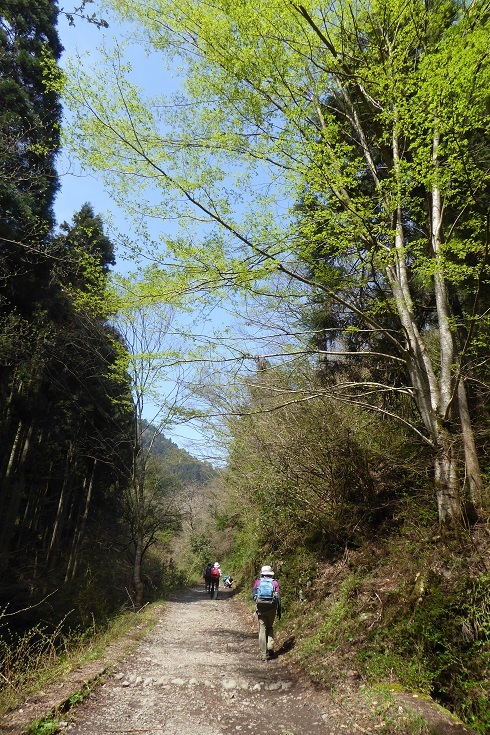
x=25, y=657
x=39, y=656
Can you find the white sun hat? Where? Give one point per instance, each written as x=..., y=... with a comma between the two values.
x=266, y=571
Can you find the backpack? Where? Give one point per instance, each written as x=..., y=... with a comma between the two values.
x=214, y=573
x=265, y=594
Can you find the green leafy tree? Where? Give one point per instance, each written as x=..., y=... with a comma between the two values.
x=376, y=116
x=30, y=115
x=29, y=140
x=86, y=234
x=65, y=419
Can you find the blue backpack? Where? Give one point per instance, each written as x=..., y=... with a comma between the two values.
x=265, y=593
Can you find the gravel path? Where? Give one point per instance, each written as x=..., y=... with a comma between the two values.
x=199, y=673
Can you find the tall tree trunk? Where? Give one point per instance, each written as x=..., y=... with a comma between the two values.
x=62, y=504
x=14, y=487
x=432, y=393
x=139, y=540
x=137, y=568
x=473, y=472
x=139, y=510
x=446, y=481
x=80, y=531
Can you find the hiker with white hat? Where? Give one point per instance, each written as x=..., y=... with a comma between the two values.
x=267, y=598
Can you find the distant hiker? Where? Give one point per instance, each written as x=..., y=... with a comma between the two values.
x=215, y=575
x=267, y=597
x=228, y=581
x=207, y=576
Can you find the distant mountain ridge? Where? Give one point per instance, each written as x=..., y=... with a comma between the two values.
x=177, y=461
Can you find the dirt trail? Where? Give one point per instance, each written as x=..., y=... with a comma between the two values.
x=199, y=672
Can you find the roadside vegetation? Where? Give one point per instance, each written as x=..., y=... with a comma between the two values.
x=40, y=657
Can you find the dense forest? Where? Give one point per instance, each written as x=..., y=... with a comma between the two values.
x=65, y=425
x=325, y=173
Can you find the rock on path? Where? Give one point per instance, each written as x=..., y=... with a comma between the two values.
x=199, y=672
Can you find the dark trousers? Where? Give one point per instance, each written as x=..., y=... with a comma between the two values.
x=213, y=589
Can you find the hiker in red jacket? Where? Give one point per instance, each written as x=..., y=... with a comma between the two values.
x=267, y=597
x=215, y=574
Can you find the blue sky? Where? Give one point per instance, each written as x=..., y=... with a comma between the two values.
x=78, y=187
